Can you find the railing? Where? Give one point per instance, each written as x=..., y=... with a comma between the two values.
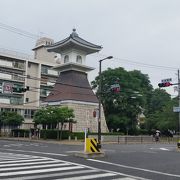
x=135, y=139
x=18, y=78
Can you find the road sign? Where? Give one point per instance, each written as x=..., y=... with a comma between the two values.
x=7, y=88
x=166, y=80
x=176, y=109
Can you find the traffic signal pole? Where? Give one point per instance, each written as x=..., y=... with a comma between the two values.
x=179, y=102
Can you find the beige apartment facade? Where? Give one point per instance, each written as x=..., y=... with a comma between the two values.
x=34, y=72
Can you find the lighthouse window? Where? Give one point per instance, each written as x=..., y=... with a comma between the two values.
x=66, y=58
x=79, y=59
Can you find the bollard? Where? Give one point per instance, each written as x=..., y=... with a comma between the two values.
x=92, y=145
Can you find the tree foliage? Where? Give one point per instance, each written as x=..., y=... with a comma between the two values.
x=52, y=116
x=10, y=119
x=136, y=97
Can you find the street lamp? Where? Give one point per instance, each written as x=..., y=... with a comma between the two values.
x=100, y=89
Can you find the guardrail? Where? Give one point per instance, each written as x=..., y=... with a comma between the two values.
x=135, y=139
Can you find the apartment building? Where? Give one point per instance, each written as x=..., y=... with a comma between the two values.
x=20, y=70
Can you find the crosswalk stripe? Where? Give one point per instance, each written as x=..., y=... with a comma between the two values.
x=55, y=174
x=29, y=163
x=35, y=152
x=27, y=167
x=125, y=178
x=34, y=167
x=40, y=171
x=5, y=158
x=12, y=154
x=90, y=176
x=24, y=160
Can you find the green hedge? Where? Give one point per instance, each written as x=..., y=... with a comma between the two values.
x=53, y=134
x=20, y=132
x=79, y=135
x=48, y=134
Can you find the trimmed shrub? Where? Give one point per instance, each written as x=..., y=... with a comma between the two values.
x=79, y=135
x=53, y=134
x=20, y=132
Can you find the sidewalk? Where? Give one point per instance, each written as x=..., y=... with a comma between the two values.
x=67, y=142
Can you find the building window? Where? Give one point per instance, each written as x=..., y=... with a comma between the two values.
x=29, y=65
x=79, y=59
x=66, y=59
x=28, y=113
x=27, y=99
x=44, y=70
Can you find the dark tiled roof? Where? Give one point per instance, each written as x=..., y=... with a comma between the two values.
x=72, y=85
x=74, y=39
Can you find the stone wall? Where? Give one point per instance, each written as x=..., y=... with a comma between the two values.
x=84, y=117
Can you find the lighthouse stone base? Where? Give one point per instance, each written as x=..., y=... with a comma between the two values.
x=83, y=112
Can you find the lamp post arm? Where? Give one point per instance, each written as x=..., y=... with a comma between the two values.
x=100, y=93
x=99, y=118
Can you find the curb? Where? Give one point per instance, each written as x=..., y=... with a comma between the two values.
x=67, y=142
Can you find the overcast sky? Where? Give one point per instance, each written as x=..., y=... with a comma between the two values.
x=138, y=33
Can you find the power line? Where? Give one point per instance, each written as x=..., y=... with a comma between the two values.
x=41, y=79
x=115, y=59
x=33, y=36
x=18, y=31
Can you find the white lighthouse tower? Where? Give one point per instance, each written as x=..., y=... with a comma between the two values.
x=72, y=88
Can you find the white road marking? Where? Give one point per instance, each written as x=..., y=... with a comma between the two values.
x=126, y=178
x=19, y=145
x=41, y=171
x=35, y=167
x=29, y=163
x=27, y=160
x=131, y=167
x=169, y=148
x=55, y=174
x=72, y=151
x=49, y=167
x=90, y=176
x=35, y=152
x=164, y=149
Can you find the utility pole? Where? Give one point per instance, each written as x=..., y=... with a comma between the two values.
x=179, y=103
x=100, y=96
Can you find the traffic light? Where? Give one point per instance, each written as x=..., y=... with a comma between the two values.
x=20, y=89
x=115, y=88
x=165, y=84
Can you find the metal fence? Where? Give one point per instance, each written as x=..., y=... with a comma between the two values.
x=135, y=139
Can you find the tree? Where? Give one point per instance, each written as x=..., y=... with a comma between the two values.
x=64, y=115
x=158, y=99
x=11, y=119
x=162, y=116
x=46, y=117
x=52, y=116
x=122, y=109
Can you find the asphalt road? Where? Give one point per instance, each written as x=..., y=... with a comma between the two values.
x=135, y=161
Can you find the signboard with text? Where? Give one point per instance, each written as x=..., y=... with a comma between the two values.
x=166, y=80
x=7, y=88
x=176, y=109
